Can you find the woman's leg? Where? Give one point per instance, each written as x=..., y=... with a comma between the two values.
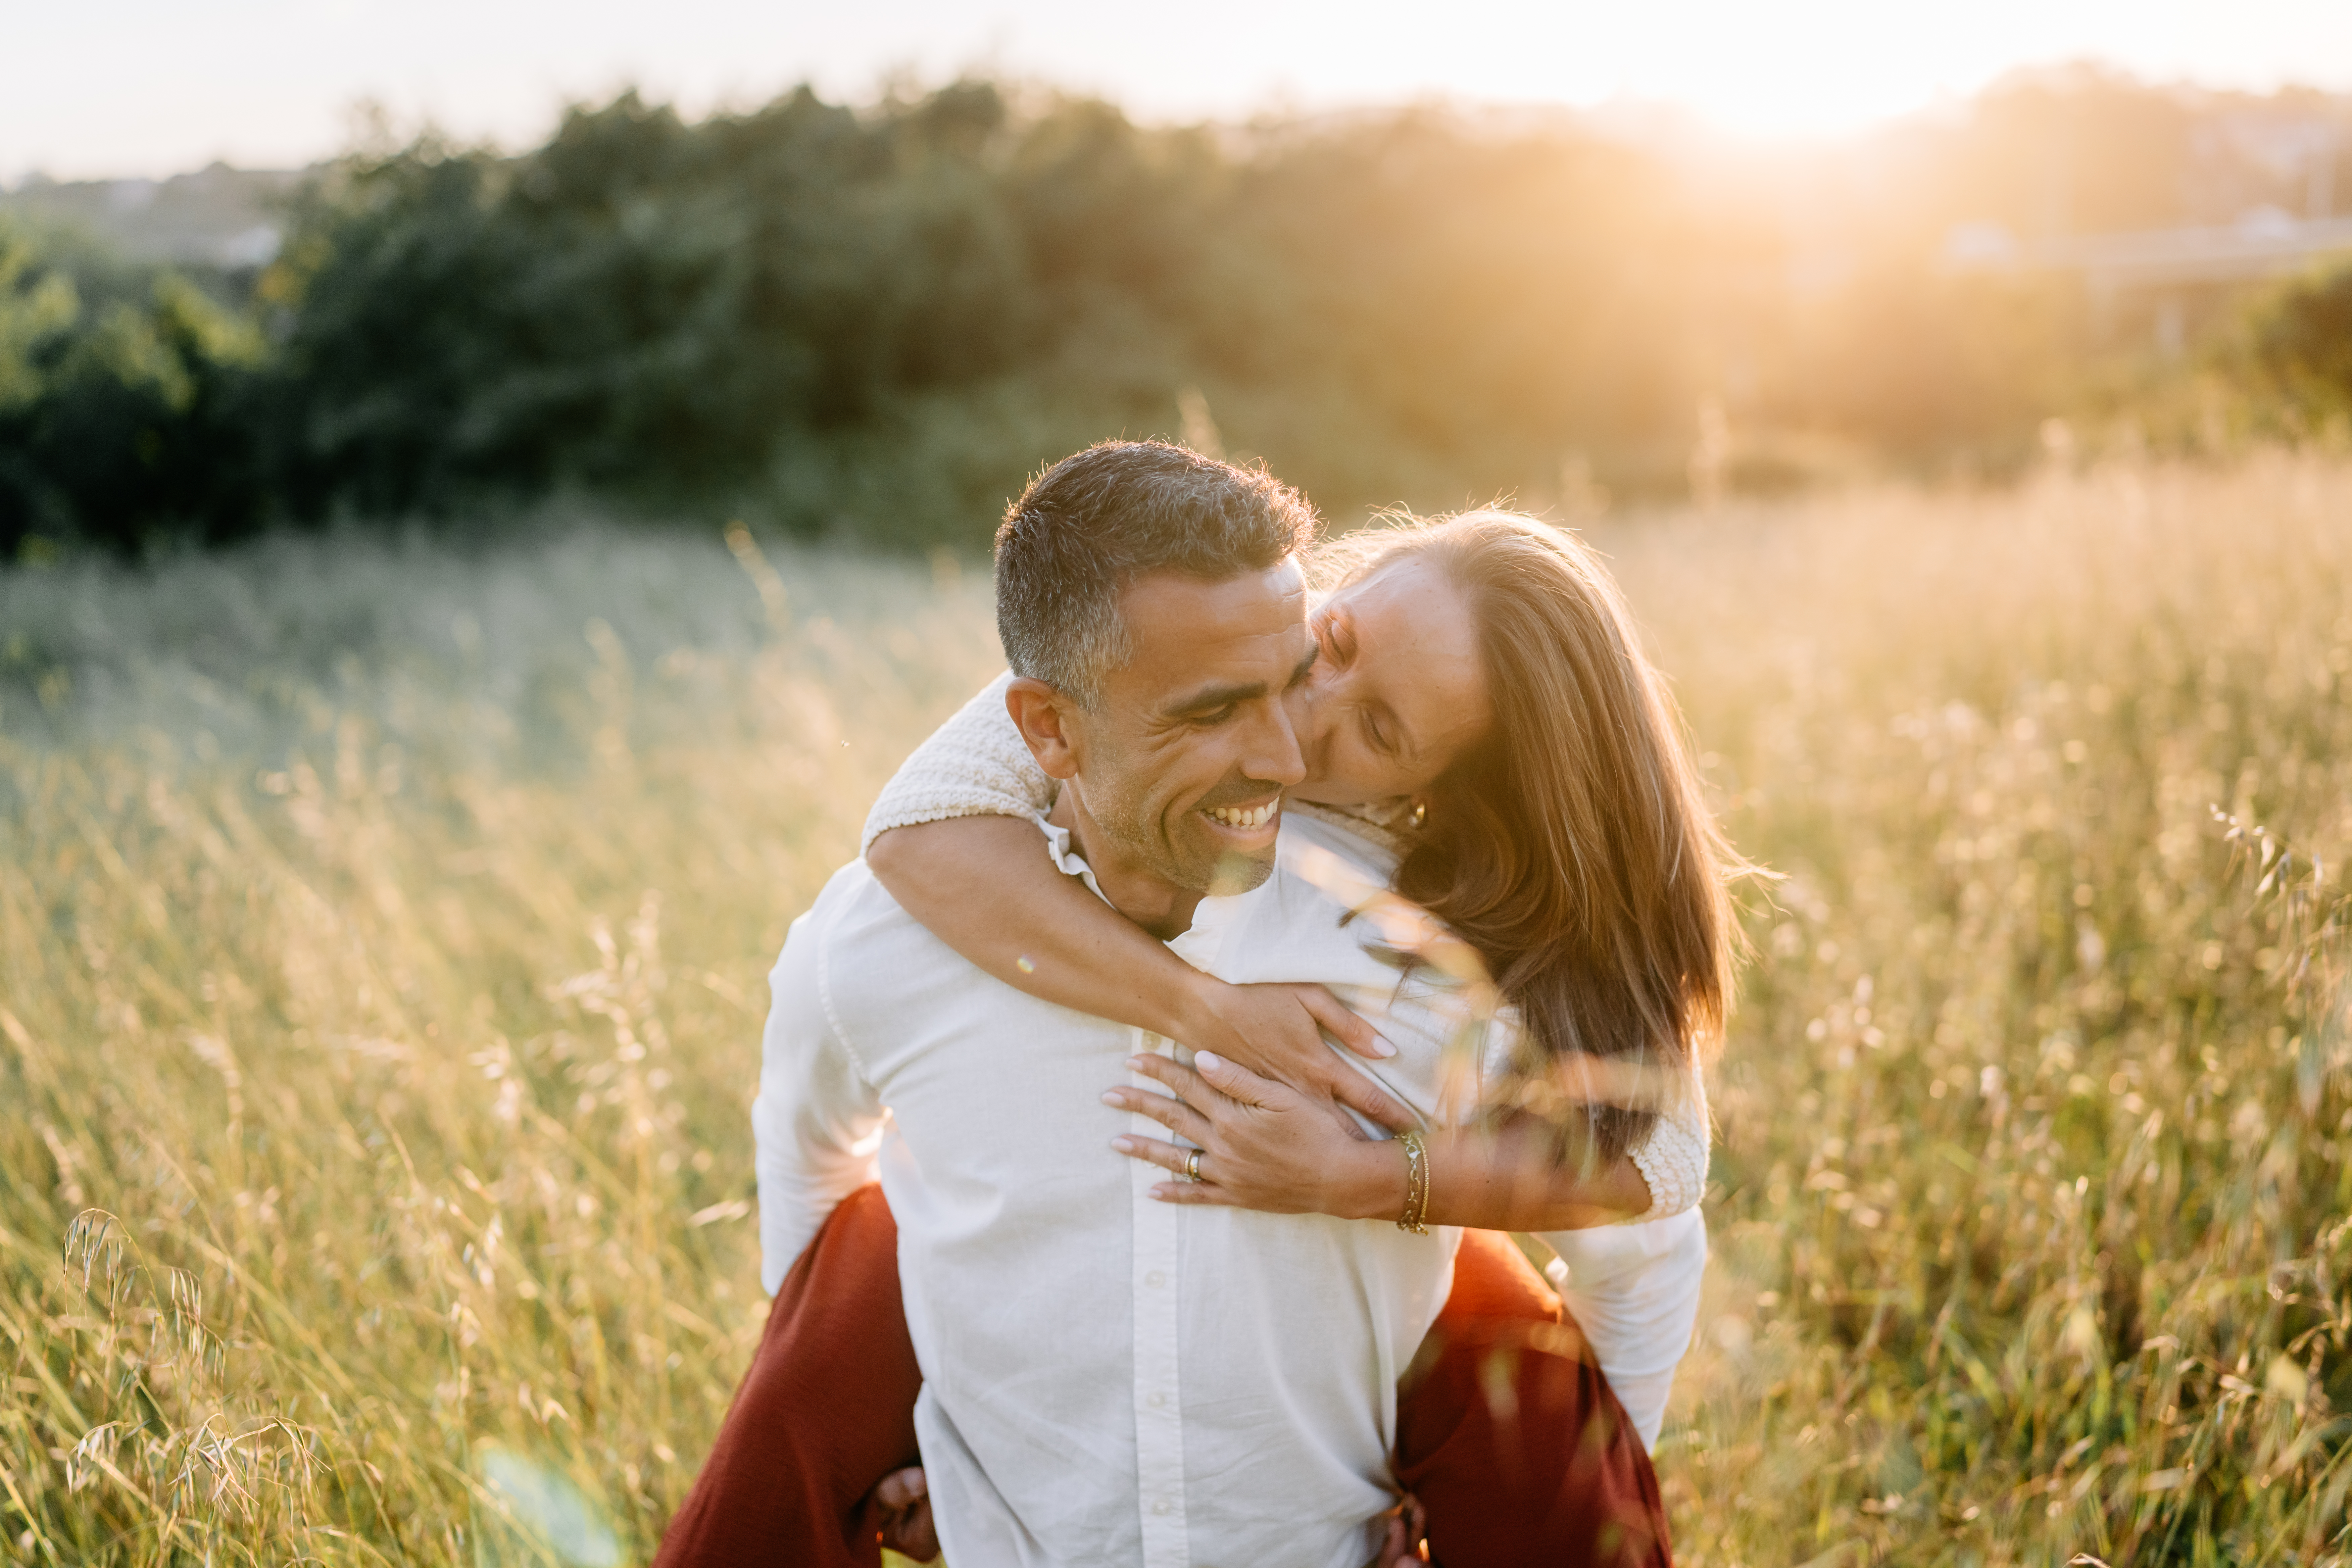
x=1508, y=1435
x=827, y=1409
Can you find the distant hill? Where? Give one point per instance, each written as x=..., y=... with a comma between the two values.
x=217, y=216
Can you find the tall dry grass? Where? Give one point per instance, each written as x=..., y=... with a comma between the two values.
x=376, y=1164
x=382, y=934
x=2030, y=1233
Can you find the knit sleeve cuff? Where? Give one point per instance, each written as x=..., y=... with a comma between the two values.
x=1673, y=1158
x=975, y=764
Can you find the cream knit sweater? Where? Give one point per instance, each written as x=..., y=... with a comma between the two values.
x=976, y=764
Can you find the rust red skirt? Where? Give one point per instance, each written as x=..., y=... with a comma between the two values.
x=1506, y=1431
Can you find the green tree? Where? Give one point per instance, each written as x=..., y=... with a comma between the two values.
x=122, y=408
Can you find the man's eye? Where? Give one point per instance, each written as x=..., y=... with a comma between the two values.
x=1212, y=720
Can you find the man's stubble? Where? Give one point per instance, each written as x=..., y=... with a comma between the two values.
x=1133, y=828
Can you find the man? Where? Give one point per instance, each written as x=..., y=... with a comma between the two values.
x=1106, y=1379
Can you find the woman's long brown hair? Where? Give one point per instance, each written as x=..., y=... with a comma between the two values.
x=1572, y=846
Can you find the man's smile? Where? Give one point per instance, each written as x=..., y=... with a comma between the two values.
x=1247, y=823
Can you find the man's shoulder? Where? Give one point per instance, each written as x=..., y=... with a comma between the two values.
x=854, y=905
x=855, y=928
x=872, y=954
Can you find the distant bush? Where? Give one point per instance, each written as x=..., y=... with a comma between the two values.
x=2302, y=345
x=123, y=400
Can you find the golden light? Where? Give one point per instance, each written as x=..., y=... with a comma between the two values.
x=150, y=86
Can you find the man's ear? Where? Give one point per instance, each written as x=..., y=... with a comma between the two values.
x=1044, y=714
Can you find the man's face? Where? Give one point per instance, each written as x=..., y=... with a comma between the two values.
x=1181, y=764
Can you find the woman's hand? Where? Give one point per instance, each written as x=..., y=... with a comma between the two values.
x=906, y=1525
x=1263, y=1145
x=1276, y=1032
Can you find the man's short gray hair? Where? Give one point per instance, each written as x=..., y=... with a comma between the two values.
x=1096, y=521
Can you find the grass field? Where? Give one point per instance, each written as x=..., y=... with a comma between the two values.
x=383, y=934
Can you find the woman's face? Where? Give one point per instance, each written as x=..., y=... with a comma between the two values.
x=1397, y=691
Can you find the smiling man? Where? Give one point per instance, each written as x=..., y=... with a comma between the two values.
x=1106, y=1380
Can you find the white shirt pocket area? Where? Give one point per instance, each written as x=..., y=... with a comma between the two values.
x=1635, y=1291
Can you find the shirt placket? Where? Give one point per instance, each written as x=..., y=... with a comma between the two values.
x=1158, y=1414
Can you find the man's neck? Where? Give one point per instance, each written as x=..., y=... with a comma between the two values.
x=1158, y=906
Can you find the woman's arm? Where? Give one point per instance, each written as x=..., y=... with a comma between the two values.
x=984, y=885
x=1260, y=1153
x=974, y=764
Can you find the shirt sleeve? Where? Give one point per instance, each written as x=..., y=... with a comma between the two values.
x=1673, y=1160
x=1635, y=1291
x=816, y=1123
x=975, y=764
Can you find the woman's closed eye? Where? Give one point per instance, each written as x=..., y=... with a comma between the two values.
x=1337, y=637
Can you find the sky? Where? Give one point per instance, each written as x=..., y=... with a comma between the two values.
x=153, y=86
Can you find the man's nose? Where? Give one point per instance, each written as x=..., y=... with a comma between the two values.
x=1274, y=756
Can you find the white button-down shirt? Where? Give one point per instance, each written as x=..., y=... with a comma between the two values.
x=1107, y=1379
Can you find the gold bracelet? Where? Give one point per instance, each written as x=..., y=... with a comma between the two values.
x=1416, y=1184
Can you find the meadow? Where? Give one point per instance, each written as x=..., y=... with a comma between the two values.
x=383, y=926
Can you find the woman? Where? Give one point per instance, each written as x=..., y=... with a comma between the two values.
x=1481, y=710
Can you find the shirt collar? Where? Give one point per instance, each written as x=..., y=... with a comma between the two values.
x=1211, y=917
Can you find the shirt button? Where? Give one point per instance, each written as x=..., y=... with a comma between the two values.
x=1156, y=1400
x=1155, y=1279
x=1159, y=1505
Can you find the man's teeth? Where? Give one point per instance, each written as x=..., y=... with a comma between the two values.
x=1244, y=816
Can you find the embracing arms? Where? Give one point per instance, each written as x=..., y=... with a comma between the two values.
x=952, y=840
x=982, y=887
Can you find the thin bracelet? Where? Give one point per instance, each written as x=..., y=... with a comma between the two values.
x=1416, y=1184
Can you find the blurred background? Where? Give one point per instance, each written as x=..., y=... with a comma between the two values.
x=853, y=278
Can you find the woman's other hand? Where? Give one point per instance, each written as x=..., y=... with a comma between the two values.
x=1277, y=1032
x=1263, y=1145
x=905, y=1524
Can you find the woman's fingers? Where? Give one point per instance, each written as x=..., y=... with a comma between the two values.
x=902, y=1488
x=1362, y=1094
x=1336, y=1020
x=1203, y=1193
x=1173, y=1114
x=1196, y=1087
x=1261, y=1144
x=906, y=1526
x=1234, y=1081
x=1167, y=1156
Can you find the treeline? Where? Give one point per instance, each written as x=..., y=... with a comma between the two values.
x=868, y=322
x=871, y=323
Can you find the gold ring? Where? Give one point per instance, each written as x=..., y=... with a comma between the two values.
x=1192, y=1167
